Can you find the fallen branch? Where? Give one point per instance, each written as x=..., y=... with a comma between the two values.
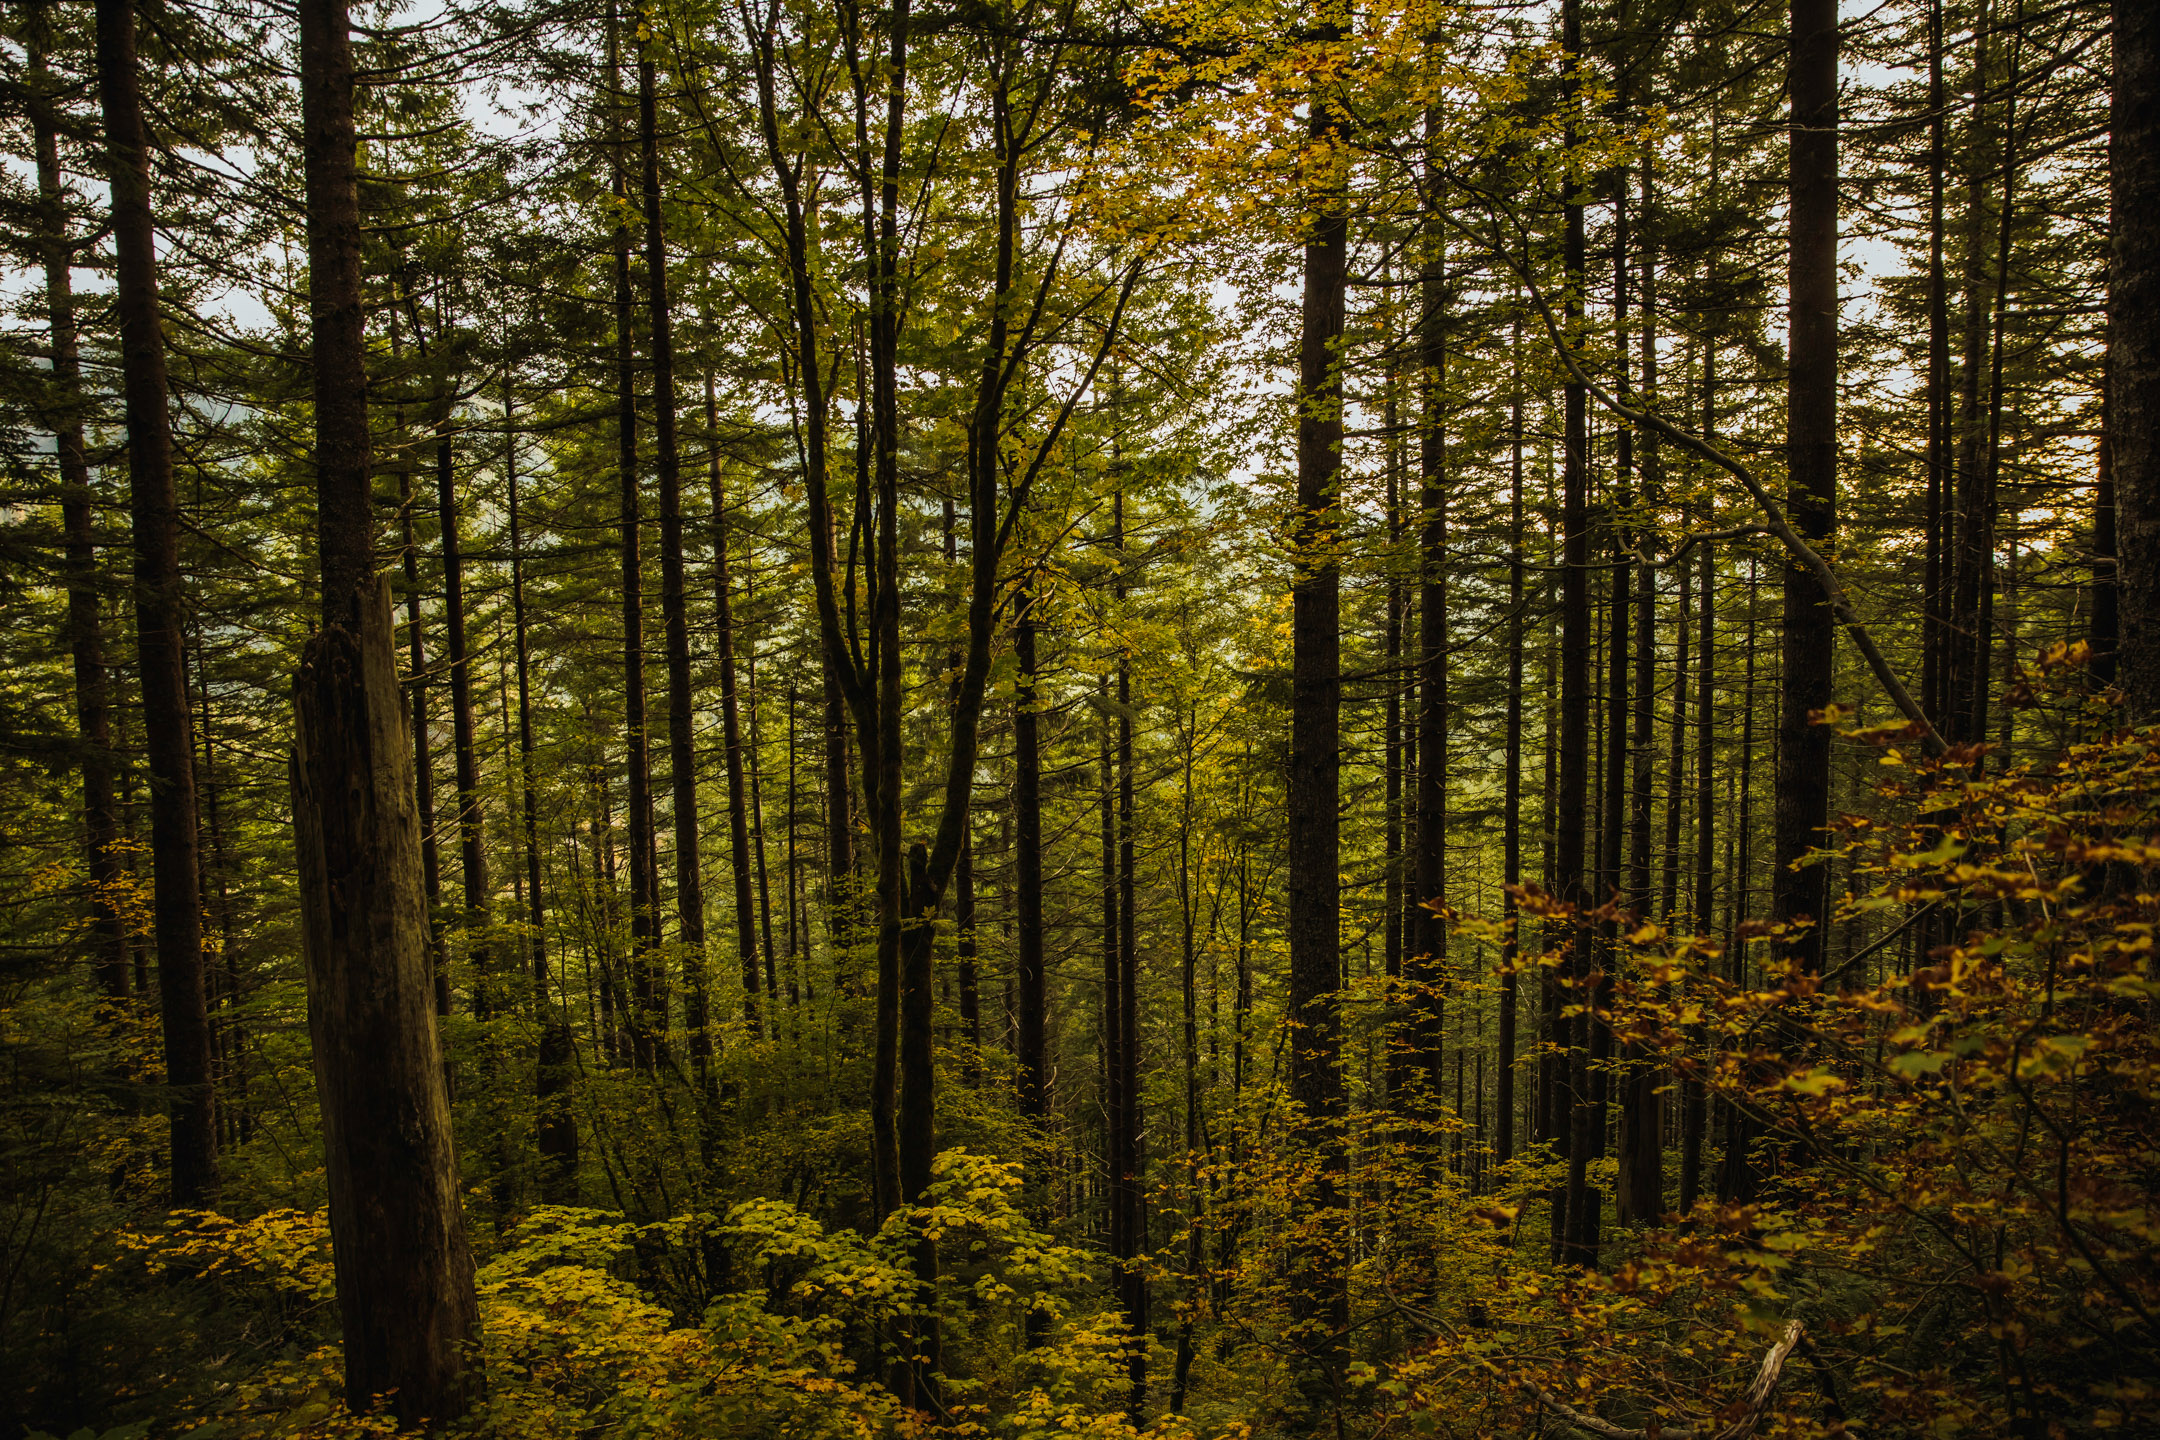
x=1754, y=1403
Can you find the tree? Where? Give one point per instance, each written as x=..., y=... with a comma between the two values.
x=404, y=1269
x=160, y=632
x=2133, y=360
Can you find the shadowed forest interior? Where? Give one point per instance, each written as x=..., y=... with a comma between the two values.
x=844, y=718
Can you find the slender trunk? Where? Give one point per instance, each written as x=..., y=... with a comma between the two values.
x=798, y=921
x=160, y=611
x=746, y=935
x=404, y=1270
x=1640, y=1194
x=1398, y=935
x=1571, y=818
x=964, y=960
x=555, y=1122
x=1964, y=668
x=423, y=750
x=1936, y=635
x=236, y=1124
x=964, y=870
x=1511, y=784
x=1801, y=896
x=1676, y=748
x=1400, y=921
x=754, y=770
x=648, y=1021
x=1312, y=785
x=1188, y=985
x=1131, y=1161
x=1736, y=1179
x=1112, y=1027
x=674, y=598
x=1428, y=956
x=472, y=846
x=86, y=641
x=1991, y=482
x=1692, y=1093
x=1033, y=1065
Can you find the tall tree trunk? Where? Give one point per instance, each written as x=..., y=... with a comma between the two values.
x=2133, y=412
x=964, y=869
x=1936, y=636
x=1031, y=1020
x=1735, y=1177
x=1189, y=1046
x=423, y=750
x=236, y=1123
x=964, y=960
x=555, y=1123
x=798, y=921
x=1998, y=324
x=1640, y=1195
x=1429, y=952
x=1511, y=783
x=472, y=839
x=1113, y=1009
x=1693, y=1115
x=1571, y=819
x=1399, y=890
x=1312, y=785
x=1594, y=1081
x=160, y=610
x=648, y=1020
x=1131, y=1160
x=86, y=641
x=1802, y=896
x=674, y=597
x=754, y=769
x=1965, y=669
x=746, y=935
x=404, y=1269
x=1676, y=747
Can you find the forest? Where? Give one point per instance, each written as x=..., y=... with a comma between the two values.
x=1214, y=719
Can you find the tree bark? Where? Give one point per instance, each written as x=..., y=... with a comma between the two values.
x=963, y=869
x=1736, y=1177
x=1132, y=1161
x=1428, y=956
x=674, y=599
x=1693, y=1115
x=160, y=621
x=1571, y=819
x=1640, y=1195
x=423, y=757
x=1031, y=1021
x=1801, y=897
x=1312, y=787
x=648, y=1020
x=746, y=941
x=472, y=839
x=1511, y=782
x=2134, y=349
x=85, y=626
x=404, y=1269
x=555, y=1123
x=1935, y=618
